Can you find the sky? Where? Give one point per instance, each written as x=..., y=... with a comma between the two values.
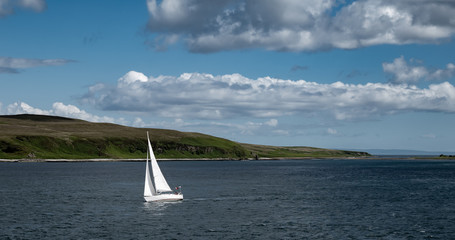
x=344, y=74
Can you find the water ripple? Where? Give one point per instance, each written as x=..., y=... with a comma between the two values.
x=305, y=199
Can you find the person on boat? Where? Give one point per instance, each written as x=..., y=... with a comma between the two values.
x=178, y=190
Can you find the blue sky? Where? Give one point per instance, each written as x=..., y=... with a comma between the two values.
x=335, y=74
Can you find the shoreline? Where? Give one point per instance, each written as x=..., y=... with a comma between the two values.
x=384, y=157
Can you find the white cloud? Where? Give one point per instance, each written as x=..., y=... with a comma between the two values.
x=272, y=123
x=442, y=74
x=58, y=109
x=132, y=77
x=72, y=111
x=138, y=122
x=299, y=25
x=36, y=5
x=7, y=7
x=13, y=65
x=204, y=96
x=403, y=73
x=22, y=108
x=332, y=131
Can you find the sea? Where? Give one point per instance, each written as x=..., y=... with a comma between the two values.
x=276, y=199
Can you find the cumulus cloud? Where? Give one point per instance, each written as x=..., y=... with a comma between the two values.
x=8, y=7
x=299, y=25
x=205, y=96
x=442, y=74
x=272, y=122
x=13, y=65
x=402, y=72
x=24, y=108
x=72, y=111
x=58, y=109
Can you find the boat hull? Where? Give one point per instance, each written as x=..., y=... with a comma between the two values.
x=164, y=198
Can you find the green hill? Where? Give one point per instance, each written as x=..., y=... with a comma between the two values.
x=299, y=152
x=51, y=137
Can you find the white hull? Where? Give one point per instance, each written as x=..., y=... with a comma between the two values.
x=168, y=197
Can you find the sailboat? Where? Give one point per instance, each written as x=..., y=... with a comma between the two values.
x=156, y=188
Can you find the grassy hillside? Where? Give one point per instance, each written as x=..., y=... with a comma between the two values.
x=23, y=136
x=298, y=152
x=50, y=137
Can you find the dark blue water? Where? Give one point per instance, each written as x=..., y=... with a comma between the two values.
x=292, y=199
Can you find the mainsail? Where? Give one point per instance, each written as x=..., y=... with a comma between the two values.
x=158, y=178
x=148, y=186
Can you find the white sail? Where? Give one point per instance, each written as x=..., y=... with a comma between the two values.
x=158, y=178
x=156, y=188
x=148, y=186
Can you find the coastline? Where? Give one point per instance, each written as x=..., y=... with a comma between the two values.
x=167, y=159
x=385, y=157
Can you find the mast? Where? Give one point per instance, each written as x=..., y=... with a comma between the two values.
x=148, y=186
